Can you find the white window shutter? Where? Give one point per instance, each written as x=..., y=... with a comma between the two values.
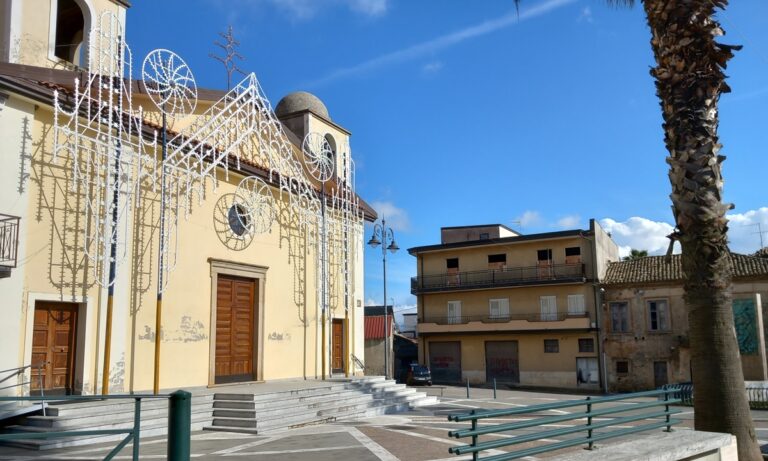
x=576, y=305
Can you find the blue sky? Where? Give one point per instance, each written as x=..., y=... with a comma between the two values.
x=464, y=112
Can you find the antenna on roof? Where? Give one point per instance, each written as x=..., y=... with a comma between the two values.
x=759, y=232
x=230, y=54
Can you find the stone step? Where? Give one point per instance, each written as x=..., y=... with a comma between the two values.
x=148, y=429
x=113, y=406
x=96, y=420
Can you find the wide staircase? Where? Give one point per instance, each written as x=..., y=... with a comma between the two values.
x=247, y=409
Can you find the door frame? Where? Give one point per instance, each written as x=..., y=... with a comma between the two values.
x=343, y=369
x=259, y=275
x=81, y=325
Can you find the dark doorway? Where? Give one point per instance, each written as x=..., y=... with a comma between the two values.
x=235, y=338
x=445, y=361
x=660, y=374
x=53, y=346
x=501, y=362
x=337, y=346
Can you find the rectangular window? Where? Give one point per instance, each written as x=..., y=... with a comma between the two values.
x=452, y=263
x=658, y=315
x=586, y=345
x=499, y=309
x=619, y=317
x=544, y=255
x=484, y=236
x=622, y=367
x=586, y=370
x=573, y=255
x=573, y=251
x=551, y=346
x=454, y=312
x=548, y=308
x=497, y=261
x=576, y=305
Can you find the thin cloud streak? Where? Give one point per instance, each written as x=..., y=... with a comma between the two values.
x=442, y=42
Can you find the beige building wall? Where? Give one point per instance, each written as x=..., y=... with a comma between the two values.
x=641, y=347
x=32, y=29
x=537, y=368
x=16, y=123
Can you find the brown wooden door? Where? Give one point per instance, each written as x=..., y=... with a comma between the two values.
x=235, y=298
x=337, y=343
x=53, y=345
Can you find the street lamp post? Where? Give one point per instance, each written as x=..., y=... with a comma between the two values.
x=384, y=236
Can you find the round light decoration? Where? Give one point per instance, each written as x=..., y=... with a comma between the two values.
x=169, y=83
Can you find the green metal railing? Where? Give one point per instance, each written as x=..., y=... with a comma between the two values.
x=659, y=419
x=179, y=422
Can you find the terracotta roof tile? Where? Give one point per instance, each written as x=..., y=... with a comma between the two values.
x=656, y=269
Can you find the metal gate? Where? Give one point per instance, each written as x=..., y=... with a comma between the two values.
x=501, y=361
x=445, y=361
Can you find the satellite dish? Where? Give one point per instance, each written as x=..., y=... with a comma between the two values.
x=169, y=83
x=319, y=157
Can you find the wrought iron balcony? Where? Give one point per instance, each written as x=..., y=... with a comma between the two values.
x=512, y=322
x=495, y=278
x=9, y=243
x=532, y=317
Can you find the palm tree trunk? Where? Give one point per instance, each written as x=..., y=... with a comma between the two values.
x=689, y=80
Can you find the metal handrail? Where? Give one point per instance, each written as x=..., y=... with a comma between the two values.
x=179, y=413
x=498, y=277
x=589, y=413
x=18, y=371
x=358, y=361
x=529, y=317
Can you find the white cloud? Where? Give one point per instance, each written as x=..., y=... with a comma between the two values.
x=442, y=42
x=585, y=15
x=529, y=218
x=569, y=222
x=372, y=302
x=743, y=228
x=397, y=218
x=307, y=9
x=644, y=234
x=640, y=234
x=432, y=67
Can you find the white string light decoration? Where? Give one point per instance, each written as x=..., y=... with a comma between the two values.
x=97, y=130
x=169, y=83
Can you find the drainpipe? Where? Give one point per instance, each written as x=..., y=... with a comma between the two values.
x=598, y=294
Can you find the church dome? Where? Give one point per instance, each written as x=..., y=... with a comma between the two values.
x=300, y=101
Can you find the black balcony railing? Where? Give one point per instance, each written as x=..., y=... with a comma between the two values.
x=9, y=241
x=509, y=276
x=532, y=317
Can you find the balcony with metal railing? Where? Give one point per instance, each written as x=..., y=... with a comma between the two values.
x=9, y=243
x=513, y=322
x=499, y=278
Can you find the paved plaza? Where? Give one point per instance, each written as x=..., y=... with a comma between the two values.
x=418, y=435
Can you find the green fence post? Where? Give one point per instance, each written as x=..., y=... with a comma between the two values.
x=179, y=426
x=494, y=388
x=136, y=427
x=475, y=455
x=666, y=409
x=467, y=387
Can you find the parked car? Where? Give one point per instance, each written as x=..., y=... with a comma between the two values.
x=418, y=374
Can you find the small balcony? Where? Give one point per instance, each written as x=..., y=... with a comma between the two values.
x=499, y=278
x=9, y=244
x=511, y=323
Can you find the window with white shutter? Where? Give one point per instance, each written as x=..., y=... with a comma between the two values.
x=454, y=311
x=499, y=308
x=576, y=305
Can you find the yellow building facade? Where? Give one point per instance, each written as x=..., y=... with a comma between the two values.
x=239, y=303
x=518, y=309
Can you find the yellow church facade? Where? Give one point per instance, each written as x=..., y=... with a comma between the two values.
x=250, y=215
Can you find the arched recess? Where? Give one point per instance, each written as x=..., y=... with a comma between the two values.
x=71, y=22
x=332, y=142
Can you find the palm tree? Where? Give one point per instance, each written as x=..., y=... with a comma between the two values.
x=635, y=254
x=690, y=78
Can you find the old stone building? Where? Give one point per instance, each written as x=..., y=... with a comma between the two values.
x=645, y=332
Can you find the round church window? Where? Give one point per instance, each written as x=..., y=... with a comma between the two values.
x=238, y=219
